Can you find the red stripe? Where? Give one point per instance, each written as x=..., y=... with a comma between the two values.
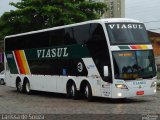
x=136, y=47
x=133, y=47
x=19, y=62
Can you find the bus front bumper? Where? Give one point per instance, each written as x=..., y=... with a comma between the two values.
x=127, y=93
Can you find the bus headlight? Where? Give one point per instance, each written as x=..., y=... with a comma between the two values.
x=121, y=86
x=119, y=94
x=153, y=84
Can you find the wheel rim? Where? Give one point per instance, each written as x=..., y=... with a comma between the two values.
x=20, y=86
x=86, y=92
x=27, y=87
x=72, y=90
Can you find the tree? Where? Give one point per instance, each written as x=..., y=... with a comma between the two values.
x=39, y=14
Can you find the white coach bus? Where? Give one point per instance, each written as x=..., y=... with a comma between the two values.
x=110, y=58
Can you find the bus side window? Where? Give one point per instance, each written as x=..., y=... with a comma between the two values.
x=98, y=48
x=56, y=37
x=69, y=37
x=81, y=33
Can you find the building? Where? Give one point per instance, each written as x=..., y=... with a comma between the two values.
x=116, y=8
x=155, y=39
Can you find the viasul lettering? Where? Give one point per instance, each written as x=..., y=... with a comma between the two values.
x=126, y=26
x=52, y=53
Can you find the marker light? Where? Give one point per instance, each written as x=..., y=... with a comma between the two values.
x=121, y=86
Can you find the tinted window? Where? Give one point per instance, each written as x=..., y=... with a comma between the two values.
x=81, y=33
x=127, y=33
x=35, y=40
x=57, y=67
x=131, y=65
x=57, y=37
x=69, y=36
x=27, y=41
x=98, y=48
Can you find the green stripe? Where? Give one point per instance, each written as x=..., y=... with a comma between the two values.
x=70, y=51
x=123, y=47
x=11, y=62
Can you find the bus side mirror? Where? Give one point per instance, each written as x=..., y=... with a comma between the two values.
x=105, y=71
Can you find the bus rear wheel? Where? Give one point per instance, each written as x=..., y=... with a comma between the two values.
x=19, y=86
x=27, y=88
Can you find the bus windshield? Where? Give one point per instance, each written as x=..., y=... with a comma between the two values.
x=127, y=33
x=130, y=65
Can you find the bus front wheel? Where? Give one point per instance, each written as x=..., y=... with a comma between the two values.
x=88, y=92
x=2, y=82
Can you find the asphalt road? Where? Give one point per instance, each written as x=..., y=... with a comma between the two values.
x=41, y=103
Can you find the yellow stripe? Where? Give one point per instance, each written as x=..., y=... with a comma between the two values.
x=144, y=46
x=24, y=62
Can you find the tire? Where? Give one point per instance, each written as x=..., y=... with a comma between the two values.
x=72, y=91
x=88, y=92
x=2, y=82
x=19, y=86
x=27, y=88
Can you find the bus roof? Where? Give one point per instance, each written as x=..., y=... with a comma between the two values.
x=107, y=20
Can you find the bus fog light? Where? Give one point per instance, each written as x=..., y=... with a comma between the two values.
x=153, y=84
x=119, y=94
x=121, y=86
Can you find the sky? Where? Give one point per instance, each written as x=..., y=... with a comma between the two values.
x=5, y=7
x=146, y=11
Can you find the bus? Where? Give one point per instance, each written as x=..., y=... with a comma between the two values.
x=110, y=58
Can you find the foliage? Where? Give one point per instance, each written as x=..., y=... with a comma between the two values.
x=39, y=14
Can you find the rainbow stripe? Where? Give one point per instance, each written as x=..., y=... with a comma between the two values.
x=22, y=62
x=139, y=46
x=133, y=47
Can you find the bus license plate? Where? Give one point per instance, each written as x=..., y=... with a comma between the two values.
x=140, y=92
